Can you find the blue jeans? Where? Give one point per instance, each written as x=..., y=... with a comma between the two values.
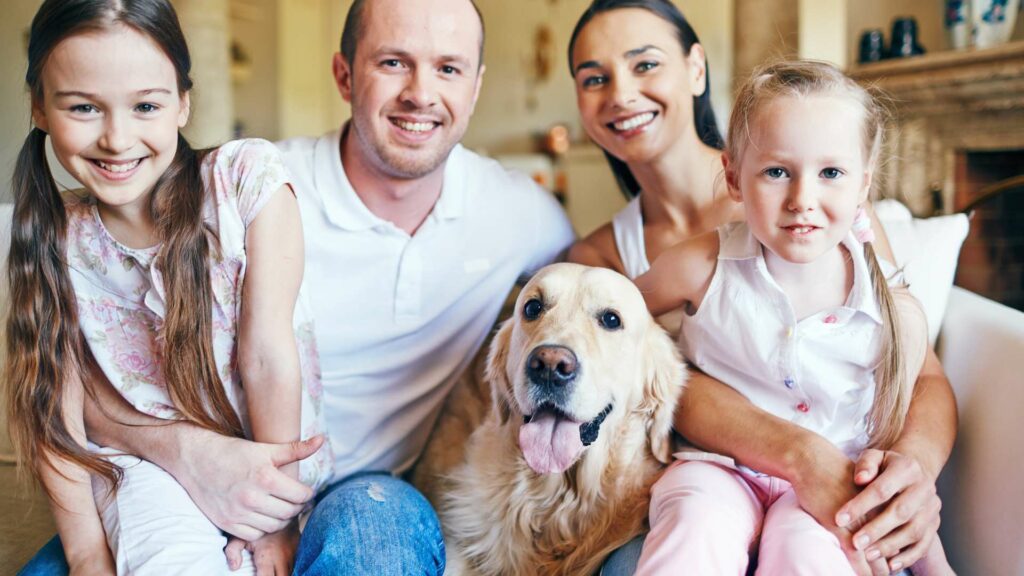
x=370, y=524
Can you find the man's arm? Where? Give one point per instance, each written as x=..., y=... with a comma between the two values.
x=235, y=482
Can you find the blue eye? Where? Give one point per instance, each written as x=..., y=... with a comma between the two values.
x=83, y=108
x=533, y=309
x=610, y=320
x=448, y=70
x=776, y=172
x=831, y=173
x=391, y=63
x=146, y=108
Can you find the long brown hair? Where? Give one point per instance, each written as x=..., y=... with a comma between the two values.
x=44, y=342
x=805, y=78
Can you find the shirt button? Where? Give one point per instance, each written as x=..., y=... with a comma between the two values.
x=789, y=332
x=789, y=383
x=831, y=319
x=803, y=407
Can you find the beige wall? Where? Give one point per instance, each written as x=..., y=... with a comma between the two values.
x=864, y=15
x=254, y=86
x=14, y=108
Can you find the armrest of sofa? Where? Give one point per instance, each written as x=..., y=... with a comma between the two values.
x=981, y=345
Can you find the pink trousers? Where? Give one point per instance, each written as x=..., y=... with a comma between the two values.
x=706, y=519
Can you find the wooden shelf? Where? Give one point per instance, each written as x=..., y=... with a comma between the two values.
x=987, y=80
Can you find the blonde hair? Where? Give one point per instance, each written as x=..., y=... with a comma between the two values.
x=808, y=78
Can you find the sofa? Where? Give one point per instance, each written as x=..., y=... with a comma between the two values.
x=980, y=342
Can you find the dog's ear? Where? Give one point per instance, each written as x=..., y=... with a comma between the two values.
x=497, y=372
x=664, y=376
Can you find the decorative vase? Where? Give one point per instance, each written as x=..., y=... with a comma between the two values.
x=958, y=23
x=903, y=42
x=872, y=46
x=993, y=21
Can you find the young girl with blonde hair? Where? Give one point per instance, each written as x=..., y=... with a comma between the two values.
x=792, y=309
x=175, y=275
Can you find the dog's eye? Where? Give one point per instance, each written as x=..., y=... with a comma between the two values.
x=533, y=309
x=610, y=320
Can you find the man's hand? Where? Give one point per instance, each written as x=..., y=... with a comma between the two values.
x=272, y=555
x=237, y=484
x=907, y=508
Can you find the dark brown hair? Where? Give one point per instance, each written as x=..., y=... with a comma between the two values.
x=44, y=342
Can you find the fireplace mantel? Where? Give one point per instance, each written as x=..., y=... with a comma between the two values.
x=944, y=104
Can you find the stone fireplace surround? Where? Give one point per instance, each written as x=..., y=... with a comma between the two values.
x=959, y=126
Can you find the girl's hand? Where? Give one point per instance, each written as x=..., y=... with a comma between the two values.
x=907, y=507
x=272, y=555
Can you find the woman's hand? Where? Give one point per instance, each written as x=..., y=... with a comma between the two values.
x=901, y=497
x=272, y=555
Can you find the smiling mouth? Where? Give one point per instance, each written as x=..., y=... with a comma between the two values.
x=415, y=127
x=800, y=230
x=633, y=122
x=117, y=167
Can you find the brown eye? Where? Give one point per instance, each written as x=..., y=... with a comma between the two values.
x=532, y=309
x=610, y=320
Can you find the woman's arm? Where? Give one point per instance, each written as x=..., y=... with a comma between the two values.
x=71, y=497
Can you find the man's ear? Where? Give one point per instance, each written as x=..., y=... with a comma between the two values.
x=479, y=84
x=186, y=109
x=39, y=116
x=342, y=76
x=697, y=63
x=732, y=181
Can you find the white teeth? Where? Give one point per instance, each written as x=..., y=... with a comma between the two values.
x=802, y=229
x=635, y=121
x=414, y=126
x=118, y=168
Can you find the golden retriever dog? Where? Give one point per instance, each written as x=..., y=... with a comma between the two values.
x=581, y=388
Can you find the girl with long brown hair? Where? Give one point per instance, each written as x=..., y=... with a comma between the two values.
x=175, y=274
x=792, y=309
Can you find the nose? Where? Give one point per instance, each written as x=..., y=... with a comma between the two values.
x=623, y=90
x=802, y=195
x=418, y=92
x=552, y=366
x=116, y=135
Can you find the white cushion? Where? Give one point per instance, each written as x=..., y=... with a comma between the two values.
x=927, y=249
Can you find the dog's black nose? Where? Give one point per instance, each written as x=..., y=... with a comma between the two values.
x=552, y=365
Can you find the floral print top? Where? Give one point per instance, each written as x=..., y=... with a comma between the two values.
x=121, y=294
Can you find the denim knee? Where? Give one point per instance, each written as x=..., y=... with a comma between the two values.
x=48, y=561
x=373, y=524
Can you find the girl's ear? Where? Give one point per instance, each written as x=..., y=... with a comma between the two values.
x=39, y=117
x=698, y=70
x=869, y=175
x=186, y=110
x=731, y=178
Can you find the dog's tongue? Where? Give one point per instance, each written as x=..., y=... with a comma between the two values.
x=550, y=443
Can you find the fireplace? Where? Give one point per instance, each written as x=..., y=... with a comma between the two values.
x=990, y=185
x=959, y=133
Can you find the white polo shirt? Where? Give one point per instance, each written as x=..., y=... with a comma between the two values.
x=398, y=317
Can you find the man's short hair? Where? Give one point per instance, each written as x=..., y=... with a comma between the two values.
x=354, y=29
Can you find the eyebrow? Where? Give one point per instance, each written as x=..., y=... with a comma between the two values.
x=87, y=95
x=627, y=54
x=404, y=54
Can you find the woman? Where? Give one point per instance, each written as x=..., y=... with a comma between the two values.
x=642, y=89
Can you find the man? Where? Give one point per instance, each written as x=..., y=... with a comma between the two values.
x=412, y=244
